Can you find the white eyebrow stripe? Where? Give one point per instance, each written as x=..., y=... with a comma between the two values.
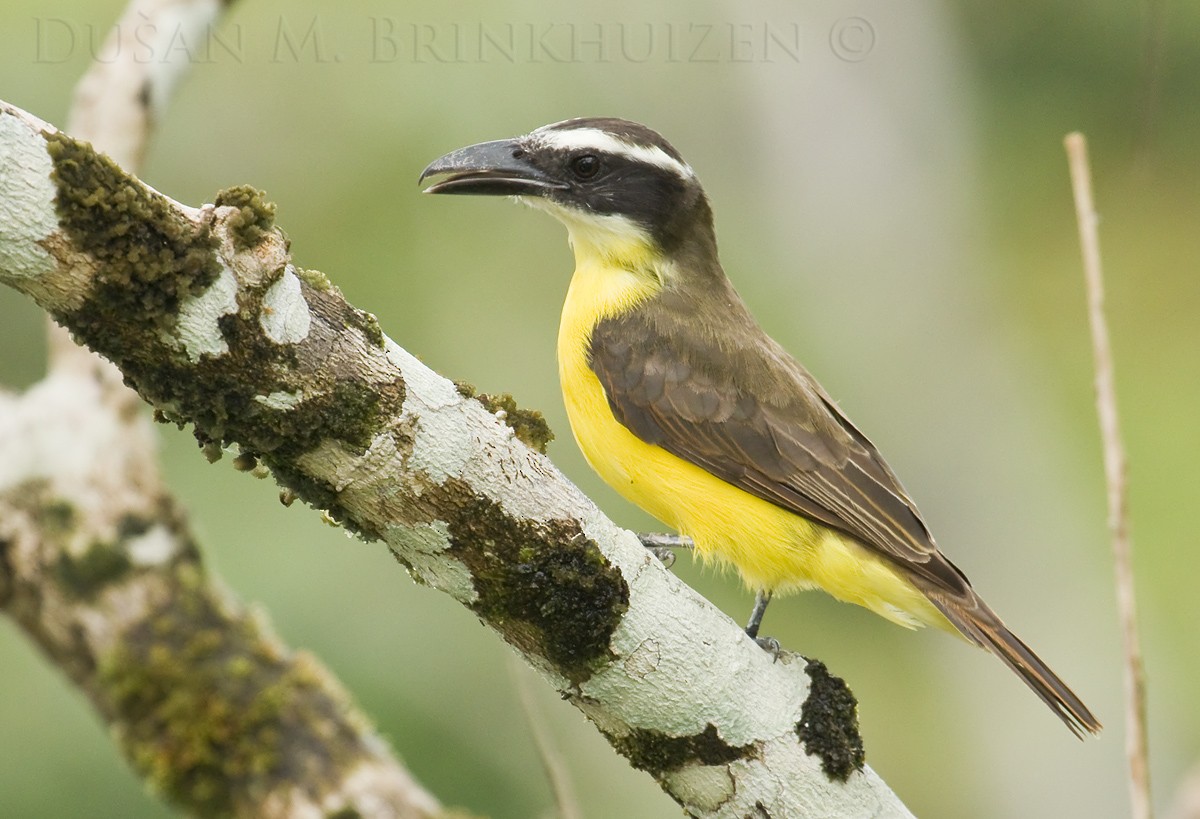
x=596, y=140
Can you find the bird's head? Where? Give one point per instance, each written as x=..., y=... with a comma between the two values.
x=618, y=186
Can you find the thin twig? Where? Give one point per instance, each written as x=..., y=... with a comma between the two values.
x=1136, y=748
x=560, y=780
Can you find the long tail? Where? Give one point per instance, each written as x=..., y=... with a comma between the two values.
x=979, y=624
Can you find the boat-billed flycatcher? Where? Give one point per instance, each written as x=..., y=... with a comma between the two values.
x=684, y=405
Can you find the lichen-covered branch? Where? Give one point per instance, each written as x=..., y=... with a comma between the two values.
x=208, y=318
x=98, y=567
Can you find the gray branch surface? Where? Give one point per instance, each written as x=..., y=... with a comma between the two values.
x=207, y=317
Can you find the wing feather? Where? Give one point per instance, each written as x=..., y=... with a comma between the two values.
x=755, y=418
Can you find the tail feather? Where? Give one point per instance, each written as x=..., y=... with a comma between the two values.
x=979, y=624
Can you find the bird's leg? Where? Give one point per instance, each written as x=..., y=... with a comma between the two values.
x=761, y=598
x=661, y=545
x=769, y=644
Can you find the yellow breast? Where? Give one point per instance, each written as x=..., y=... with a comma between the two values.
x=770, y=547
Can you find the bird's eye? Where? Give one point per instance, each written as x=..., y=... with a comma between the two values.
x=585, y=166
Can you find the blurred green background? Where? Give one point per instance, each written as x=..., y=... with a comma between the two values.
x=892, y=200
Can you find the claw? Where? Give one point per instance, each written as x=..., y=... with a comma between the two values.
x=771, y=646
x=662, y=545
x=664, y=553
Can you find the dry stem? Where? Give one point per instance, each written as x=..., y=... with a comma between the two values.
x=1115, y=471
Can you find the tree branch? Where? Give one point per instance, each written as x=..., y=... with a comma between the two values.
x=99, y=568
x=205, y=314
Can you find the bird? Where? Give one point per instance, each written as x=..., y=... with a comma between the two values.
x=682, y=402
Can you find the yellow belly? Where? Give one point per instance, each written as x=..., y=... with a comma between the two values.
x=772, y=548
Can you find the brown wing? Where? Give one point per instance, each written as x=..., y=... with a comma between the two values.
x=721, y=394
x=697, y=377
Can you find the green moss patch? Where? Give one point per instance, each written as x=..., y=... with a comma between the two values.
x=659, y=753
x=529, y=426
x=56, y=517
x=366, y=323
x=546, y=587
x=149, y=263
x=828, y=725
x=85, y=574
x=212, y=716
x=316, y=280
x=150, y=260
x=255, y=216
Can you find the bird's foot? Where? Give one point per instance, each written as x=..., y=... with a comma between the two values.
x=771, y=646
x=663, y=546
x=665, y=555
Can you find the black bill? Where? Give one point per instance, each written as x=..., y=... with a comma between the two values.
x=499, y=168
